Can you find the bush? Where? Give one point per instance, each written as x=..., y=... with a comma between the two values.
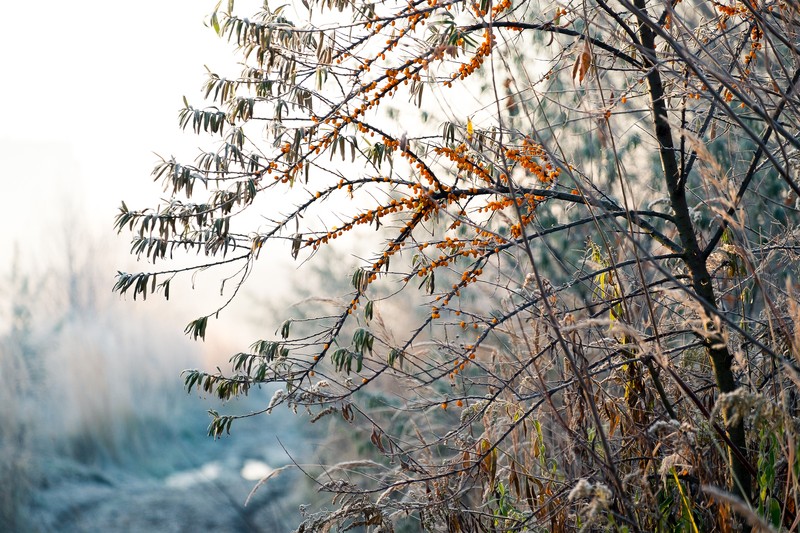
x=575, y=310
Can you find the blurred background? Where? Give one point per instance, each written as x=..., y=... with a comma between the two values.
x=96, y=430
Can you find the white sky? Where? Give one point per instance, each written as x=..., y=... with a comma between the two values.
x=90, y=90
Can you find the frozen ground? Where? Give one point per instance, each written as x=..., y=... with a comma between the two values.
x=188, y=483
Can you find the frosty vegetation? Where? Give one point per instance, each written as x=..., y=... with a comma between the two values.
x=572, y=252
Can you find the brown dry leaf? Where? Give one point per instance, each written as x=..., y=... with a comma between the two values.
x=582, y=64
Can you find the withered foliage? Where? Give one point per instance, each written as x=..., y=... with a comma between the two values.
x=579, y=311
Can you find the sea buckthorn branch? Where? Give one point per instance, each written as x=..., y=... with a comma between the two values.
x=532, y=195
x=182, y=178
x=339, y=120
x=262, y=238
x=608, y=207
x=467, y=355
x=553, y=28
x=420, y=165
x=445, y=260
x=288, y=176
x=692, y=61
x=367, y=217
x=379, y=264
x=322, y=195
x=749, y=12
x=212, y=233
x=436, y=53
x=476, y=271
x=460, y=212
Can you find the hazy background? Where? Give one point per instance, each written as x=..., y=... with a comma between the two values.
x=96, y=432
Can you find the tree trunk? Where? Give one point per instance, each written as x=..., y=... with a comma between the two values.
x=717, y=350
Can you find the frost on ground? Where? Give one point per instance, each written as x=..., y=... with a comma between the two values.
x=97, y=434
x=190, y=483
